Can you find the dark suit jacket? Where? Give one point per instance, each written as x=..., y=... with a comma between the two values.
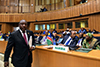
x=39, y=39
x=20, y=49
x=72, y=44
x=56, y=39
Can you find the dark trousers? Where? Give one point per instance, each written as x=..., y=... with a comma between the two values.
x=28, y=64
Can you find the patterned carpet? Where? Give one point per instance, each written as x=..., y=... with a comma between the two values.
x=2, y=61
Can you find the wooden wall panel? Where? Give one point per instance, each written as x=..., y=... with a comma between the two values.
x=2, y=9
x=18, y=18
x=92, y=7
x=39, y=16
x=86, y=8
x=11, y=18
x=12, y=2
x=25, y=17
x=78, y=8
x=3, y=18
x=8, y=2
x=57, y=6
x=9, y=27
x=95, y=7
x=0, y=17
x=7, y=9
x=31, y=17
x=58, y=15
x=32, y=27
x=94, y=21
x=52, y=6
x=63, y=13
x=1, y=2
x=98, y=5
x=89, y=7
x=3, y=29
x=5, y=2
x=73, y=11
x=98, y=21
x=46, y=16
x=52, y=15
x=68, y=13
x=6, y=18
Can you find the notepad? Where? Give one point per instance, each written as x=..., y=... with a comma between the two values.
x=85, y=50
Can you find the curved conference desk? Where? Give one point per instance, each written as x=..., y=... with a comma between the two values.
x=43, y=57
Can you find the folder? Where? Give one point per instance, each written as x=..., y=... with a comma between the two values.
x=85, y=50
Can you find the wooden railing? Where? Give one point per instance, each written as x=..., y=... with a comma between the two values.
x=70, y=12
x=95, y=35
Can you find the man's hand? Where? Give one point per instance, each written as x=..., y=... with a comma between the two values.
x=6, y=64
x=61, y=44
x=31, y=48
x=79, y=46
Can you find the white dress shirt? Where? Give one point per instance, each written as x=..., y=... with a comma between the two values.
x=79, y=42
x=26, y=36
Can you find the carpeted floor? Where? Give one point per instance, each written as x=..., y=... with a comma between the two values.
x=2, y=61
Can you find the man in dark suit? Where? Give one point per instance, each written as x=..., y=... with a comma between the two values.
x=39, y=38
x=81, y=39
x=55, y=38
x=70, y=41
x=22, y=51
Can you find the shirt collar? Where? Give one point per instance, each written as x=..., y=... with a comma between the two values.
x=21, y=31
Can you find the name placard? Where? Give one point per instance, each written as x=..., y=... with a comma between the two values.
x=61, y=48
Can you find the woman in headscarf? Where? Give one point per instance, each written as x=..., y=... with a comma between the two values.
x=90, y=42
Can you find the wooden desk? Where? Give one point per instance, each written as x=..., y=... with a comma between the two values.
x=43, y=57
x=3, y=45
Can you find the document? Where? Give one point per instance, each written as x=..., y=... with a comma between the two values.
x=30, y=41
x=48, y=47
x=85, y=50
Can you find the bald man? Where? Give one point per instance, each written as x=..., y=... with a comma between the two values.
x=19, y=41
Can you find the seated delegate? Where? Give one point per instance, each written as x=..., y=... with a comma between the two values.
x=80, y=41
x=91, y=42
x=70, y=41
x=55, y=37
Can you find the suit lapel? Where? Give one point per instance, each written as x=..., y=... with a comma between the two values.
x=21, y=37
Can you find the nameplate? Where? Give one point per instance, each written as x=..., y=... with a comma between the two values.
x=1, y=39
x=61, y=48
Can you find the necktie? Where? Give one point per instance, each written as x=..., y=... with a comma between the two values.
x=25, y=38
x=68, y=41
x=26, y=42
